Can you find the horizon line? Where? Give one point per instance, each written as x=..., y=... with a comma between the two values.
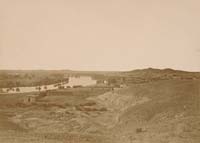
x=77, y=70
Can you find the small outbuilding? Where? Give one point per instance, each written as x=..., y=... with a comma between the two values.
x=29, y=99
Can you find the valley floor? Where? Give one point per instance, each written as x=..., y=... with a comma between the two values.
x=166, y=111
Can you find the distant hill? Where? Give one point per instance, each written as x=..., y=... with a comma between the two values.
x=151, y=74
x=154, y=70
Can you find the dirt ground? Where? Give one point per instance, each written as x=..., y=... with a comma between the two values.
x=155, y=112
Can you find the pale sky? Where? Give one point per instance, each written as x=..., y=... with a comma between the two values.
x=100, y=34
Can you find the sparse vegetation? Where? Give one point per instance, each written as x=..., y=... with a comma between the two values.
x=155, y=106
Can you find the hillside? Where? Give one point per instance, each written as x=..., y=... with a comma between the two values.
x=171, y=114
x=151, y=74
x=154, y=110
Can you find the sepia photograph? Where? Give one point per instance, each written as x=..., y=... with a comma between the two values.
x=99, y=71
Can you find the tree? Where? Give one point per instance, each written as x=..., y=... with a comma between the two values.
x=39, y=88
x=17, y=89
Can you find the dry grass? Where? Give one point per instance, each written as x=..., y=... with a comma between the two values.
x=170, y=115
